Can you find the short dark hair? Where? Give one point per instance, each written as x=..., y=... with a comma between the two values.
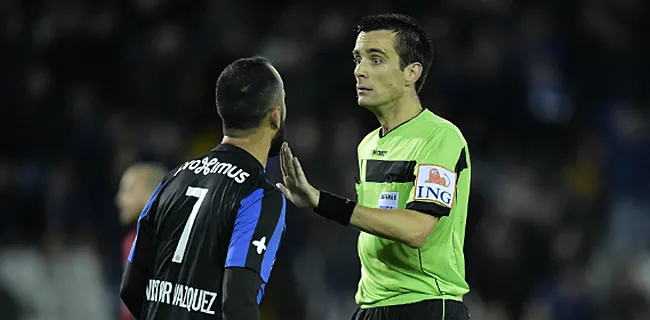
x=245, y=92
x=412, y=43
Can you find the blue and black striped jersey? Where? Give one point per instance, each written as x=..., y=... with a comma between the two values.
x=212, y=213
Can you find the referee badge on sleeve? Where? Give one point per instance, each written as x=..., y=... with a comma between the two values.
x=435, y=183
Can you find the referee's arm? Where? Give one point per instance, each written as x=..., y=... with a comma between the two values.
x=254, y=243
x=136, y=273
x=425, y=207
x=410, y=226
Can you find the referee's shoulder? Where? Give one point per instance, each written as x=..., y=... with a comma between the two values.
x=437, y=127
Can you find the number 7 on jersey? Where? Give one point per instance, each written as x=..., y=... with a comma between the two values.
x=185, y=236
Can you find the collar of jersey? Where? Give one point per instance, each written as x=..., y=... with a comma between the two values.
x=227, y=147
x=401, y=124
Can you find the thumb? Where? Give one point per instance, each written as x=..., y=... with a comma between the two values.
x=283, y=189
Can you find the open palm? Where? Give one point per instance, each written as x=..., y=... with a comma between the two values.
x=296, y=187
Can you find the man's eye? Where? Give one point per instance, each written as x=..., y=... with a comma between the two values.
x=376, y=60
x=356, y=60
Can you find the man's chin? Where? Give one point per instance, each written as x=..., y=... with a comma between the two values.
x=366, y=103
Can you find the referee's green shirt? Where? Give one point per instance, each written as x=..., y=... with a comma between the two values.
x=422, y=165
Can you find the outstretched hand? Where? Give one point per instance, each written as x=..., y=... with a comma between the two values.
x=296, y=187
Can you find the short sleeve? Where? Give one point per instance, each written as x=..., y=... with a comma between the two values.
x=258, y=230
x=438, y=167
x=142, y=247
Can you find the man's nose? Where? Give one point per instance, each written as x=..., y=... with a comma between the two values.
x=360, y=71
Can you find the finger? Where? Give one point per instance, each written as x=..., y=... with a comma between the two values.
x=300, y=174
x=283, y=161
x=283, y=189
x=292, y=161
x=283, y=166
x=282, y=150
x=283, y=155
x=289, y=163
x=289, y=153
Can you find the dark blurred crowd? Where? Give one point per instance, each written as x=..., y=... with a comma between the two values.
x=552, y=97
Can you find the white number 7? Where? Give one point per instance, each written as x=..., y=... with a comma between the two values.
x=182, y=242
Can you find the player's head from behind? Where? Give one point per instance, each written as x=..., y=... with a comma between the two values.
x=136, y=187
x=392, y=56
x=250, y=100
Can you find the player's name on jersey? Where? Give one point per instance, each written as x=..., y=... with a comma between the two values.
x=209, y=165
x=181, y=296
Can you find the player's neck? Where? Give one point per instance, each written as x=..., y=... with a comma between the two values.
x=397, y=112
x=251, y=144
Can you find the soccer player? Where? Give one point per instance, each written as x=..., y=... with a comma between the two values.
x=137, y=184
x=414, y=183
x=207, y=239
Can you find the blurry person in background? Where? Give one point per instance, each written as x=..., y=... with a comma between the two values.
x=137, y=185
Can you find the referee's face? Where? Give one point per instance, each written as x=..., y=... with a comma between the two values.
x=380, y=80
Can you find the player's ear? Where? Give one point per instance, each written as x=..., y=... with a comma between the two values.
x=412, y=73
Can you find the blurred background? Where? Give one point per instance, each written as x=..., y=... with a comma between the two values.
x=552, y=97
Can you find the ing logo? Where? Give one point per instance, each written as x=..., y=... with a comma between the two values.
x=436, y=178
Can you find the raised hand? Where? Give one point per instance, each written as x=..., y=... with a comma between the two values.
x=296, y=187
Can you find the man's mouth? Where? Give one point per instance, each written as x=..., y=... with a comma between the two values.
x=363, y=89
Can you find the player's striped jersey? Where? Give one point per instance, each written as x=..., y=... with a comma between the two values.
x=215, y=212
x=422, y=165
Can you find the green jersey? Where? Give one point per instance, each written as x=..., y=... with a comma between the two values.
x=422, y=165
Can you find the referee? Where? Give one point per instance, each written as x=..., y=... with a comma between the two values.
x=207, y=239
x=413, y=187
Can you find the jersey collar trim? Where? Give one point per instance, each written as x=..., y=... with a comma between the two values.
x=399, y=125
x=233, y=148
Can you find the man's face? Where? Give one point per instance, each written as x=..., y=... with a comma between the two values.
x=379, y=76
x=131, y=197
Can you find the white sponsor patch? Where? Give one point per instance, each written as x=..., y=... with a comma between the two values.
x=388, y=200
x=435, y=183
